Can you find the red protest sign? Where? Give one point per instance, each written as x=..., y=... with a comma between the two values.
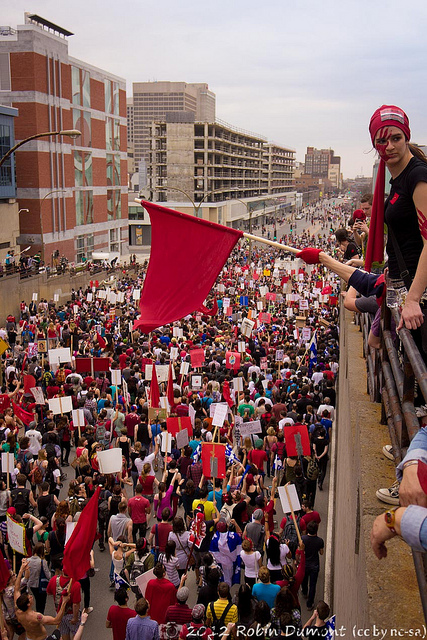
x=213, y=460
x=197, y=358
x=178, y=424
x=99, y=364
x=232, y=360
x=291, y=443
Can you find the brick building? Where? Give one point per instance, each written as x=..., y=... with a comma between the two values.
x=52, y=91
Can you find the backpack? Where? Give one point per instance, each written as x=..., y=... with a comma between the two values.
x=74, y=505
x=36, y=474
x=138, y=568
x=47, y=378
x=312, y=470
x=100, y=433
x=43, y=579
x=218, y=625
x=290, y=534
x=103, y=510
x=20, y=500
x=61, y=592
x=281, y=450
x=24, y=462
x=51, y=508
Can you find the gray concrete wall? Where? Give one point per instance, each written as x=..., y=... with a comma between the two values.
x=366, y=591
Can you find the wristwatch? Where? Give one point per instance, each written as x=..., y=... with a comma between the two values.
x=409, y=463
x=390, y=518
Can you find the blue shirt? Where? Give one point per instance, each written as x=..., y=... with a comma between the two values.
x=142, y=629
x=266, y=592
x=414, y=521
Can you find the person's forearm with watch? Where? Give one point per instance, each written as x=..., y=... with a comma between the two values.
x=408, y=522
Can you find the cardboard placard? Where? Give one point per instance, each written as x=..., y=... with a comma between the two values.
x=70, y=526
x=184, y=368
x=101, y=294
x=192, y=414
x=263, y=363
x=56, y=297
x=211, y=451
x=250, y=428
x=293, y=497
x=166, y=442
x=182, y=439
x=56, y=356
x=294, y=434
x=196, y=382
x=136, y=294
x=220, y=413
x=238, y=384
x=38, y=395
x=89, y=296
x=157, y=414
x=174, y=353
x=35, y=296
x=162, y=372
x=78, y=417
x=197, y=358
x=110, y=461
x=4, y=459
x=241, y=347
x=144, y=579
x=116, y=377
x=42, y=346
x=279, y=355
x=176, y=425
x=16, y=536
x=246, y=327
x=60, y=405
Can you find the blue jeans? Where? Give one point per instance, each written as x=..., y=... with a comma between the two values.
x=311, y=575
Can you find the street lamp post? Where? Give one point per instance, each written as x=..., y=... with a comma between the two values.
x=71, y=133
x=195, y=207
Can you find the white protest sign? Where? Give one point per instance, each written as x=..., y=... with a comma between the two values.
x=78, y=417
x=238, y=384
x=89, y=296
x=110, y=461
x=167, y=442
x=120, y=296
x=246, y=327
x=279, y=355
x=191, y=415
x=250, y=428
x=4, y=458
x=174, y=353
x=241, y=347
x=70, y=526
x=293, y=498
x=264, y=383
x=116, y=377
x=38, y=395
x=59, y=355
x=164, y=404
x=16, y=536
x=306, y=334
x=181, y=438
x=259, y=305
x=76, y=309
x=196, y=382
x=101, y=294
x=112, y=297
x=184, y=369
x=56, y=297
x=144, y=579
x=303, y=305
x=289, y=312
x=220, y=414
x=126, y=391
x=35, y=296
x=162, y=372
x=60, y=405
x=136, y=294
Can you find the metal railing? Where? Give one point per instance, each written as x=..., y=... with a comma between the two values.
x=393, y=371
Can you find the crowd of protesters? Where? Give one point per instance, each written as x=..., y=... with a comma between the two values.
x=160, y=512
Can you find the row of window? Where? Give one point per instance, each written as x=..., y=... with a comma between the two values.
x=80, y=89
x=83, y=173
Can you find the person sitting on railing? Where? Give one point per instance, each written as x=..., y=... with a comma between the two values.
x=410, y=519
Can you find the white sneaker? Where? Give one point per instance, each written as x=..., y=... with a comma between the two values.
x=388, y=452
x=390, y=495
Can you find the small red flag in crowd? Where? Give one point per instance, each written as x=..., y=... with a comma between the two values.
x=78, y=548
x=154, y=390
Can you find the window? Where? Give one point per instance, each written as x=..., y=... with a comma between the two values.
x=114, y=204
x=80, y=86
x=108, y=101
x=5, y=144
x=84, y=207
x=85, y=88
x=75, y=85
x=4, y=72
x=80, y=248
x=83, y=169
x=114, y=240
x=82, y=122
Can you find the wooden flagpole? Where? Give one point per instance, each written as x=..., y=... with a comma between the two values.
x=277, y=245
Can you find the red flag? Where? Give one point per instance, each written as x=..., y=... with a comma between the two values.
x=422, y=475
x=4, y=573
x=232, y=360
x=183, y=248
x=154, y=390
x=375, y=248
x=226, y=393
x=78, y=548
x=169, y=390
x=29, y=382
x=101, y=341
x=209, y=312
x=23, y=415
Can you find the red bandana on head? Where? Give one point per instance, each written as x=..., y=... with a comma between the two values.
x=384, y=117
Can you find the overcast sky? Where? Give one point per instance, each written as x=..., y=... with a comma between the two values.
x=301, y=72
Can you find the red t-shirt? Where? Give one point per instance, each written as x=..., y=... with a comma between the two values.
x=131, y=420
x=164, y=529
x=118, y=617
x=136, y=507
x=308, y=517
x=160, y=593
x=75, y=595
x=258, y=457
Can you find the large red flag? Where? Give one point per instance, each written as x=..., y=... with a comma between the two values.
x=187, y=254
x=78, y=548
x=375, y=247
x=4, y=573
x=154, y=390
x=25, y=416
x=169, y=391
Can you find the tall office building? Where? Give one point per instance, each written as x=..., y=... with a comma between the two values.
x=75, y=190
x=158, y=101
x=324, y=164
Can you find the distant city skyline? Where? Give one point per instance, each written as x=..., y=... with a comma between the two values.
x=301, y=76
